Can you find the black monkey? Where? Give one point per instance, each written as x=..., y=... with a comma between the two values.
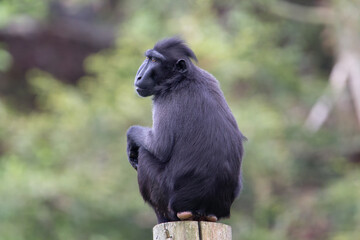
x=189, y=162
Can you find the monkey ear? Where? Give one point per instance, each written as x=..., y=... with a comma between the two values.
x=180, y=66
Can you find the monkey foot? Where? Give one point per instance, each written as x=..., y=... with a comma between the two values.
x=188, y=216
x=183, y=216
x=211, y=218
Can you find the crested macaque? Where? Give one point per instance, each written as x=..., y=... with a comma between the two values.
x=189, y=162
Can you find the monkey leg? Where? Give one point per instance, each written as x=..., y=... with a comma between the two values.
x=191, y=204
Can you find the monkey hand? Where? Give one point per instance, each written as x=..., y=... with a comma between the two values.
x=133, y=153
x=133, y=146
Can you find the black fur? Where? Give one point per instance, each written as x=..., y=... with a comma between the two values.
x=190, y=159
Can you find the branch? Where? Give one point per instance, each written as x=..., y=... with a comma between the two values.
x=354, y=68
x=320, y=111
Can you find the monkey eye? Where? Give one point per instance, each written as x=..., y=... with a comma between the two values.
x=153, y=59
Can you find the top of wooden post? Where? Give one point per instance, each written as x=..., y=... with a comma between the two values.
x=192, y=230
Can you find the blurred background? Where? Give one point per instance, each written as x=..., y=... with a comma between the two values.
x=289, y=69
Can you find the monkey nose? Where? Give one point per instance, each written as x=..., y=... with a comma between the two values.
x=138, y=78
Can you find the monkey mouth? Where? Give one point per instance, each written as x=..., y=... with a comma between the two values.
x=143, y=92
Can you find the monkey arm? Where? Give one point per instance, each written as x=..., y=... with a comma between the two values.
x=138, y=136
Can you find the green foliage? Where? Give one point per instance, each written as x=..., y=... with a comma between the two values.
x=12, y=9
x=64, y=172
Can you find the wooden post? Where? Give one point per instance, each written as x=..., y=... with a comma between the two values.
x=191, y=230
